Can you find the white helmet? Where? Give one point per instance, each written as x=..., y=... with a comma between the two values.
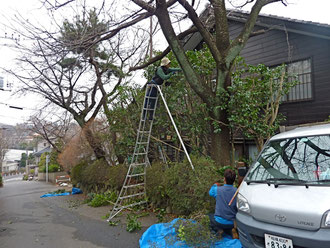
x=165, y=61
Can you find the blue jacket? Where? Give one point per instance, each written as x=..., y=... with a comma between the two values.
x=223, y=195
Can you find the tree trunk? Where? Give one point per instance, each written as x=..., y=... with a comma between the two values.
x=220, y=141
x=94, y=143
x=90, y=137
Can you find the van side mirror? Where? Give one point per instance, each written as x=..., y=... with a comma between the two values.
x=242, y=171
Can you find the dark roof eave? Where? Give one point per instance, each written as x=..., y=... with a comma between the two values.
x=285, y=24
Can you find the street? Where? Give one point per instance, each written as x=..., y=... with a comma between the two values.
x=26, y=220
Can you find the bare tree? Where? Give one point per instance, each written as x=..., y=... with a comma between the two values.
x=73, y=71
x=56, y=133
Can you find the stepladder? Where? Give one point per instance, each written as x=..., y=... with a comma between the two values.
x=133, y=191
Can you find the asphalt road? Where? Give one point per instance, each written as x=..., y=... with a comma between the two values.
x=26, y=220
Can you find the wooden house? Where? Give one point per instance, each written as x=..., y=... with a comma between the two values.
x=304, y=47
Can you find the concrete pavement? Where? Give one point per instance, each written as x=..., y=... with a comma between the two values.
x=26, y=220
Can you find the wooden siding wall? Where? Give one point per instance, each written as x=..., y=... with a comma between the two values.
x=276, y=47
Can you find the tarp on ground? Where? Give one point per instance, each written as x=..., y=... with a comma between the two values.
x=51, y=194
x=162, y=236
x=74, y=192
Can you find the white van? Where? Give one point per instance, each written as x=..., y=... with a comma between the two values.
x=284, y=200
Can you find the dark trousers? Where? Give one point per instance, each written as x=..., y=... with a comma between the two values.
x=216, y=226
x=150, y=102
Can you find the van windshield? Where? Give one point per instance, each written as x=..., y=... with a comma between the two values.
x=294, y=160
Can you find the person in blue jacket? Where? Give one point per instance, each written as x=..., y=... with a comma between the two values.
x=163, y=73
x=224, y=215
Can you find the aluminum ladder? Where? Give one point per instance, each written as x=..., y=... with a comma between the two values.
x=133, y=191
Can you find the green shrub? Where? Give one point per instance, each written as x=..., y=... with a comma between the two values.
x=51, y=168
x=156, y=187
x=178, y=187
x=98, y=201
x=105, y=199
x=1, y=182
x=25, y=177
x=76, y=172
x=98, y=176
x=54, y=168
x=53, y=165
x=32, y=171
x=132, y=223
x=117, y=176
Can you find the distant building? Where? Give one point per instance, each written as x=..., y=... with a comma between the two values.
x=11, y=160
x=41, y=147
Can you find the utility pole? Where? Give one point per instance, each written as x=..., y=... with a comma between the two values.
x=47, y=161
x=27, y=163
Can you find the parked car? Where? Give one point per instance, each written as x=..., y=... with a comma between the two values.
x=284, y=200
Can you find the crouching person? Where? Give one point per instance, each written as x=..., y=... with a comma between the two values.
x=224, y=216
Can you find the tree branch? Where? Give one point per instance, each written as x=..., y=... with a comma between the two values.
x=165, y=52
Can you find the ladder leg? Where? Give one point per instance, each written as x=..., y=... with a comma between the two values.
x=134, y=186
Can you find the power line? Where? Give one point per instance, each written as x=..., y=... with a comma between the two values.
x=22, y=108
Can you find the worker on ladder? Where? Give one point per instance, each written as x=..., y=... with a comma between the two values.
x=163, y=73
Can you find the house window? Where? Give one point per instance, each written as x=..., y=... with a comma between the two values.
x=303, y=90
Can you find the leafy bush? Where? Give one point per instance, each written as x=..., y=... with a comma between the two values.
x=76, y=173
x=54, y=168
x=179, y=187
x=98, y=176
x=51, y=168
x=99, y=200
x=94, y=176
x=25, y=177
x=1, y=182
x=53, y=165
x=117, y=176
x=132, y=223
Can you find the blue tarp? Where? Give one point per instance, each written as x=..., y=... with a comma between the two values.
x=159, y=235
x=74, y=192
x=50, y=194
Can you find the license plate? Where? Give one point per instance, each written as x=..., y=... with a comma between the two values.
x=272, y=241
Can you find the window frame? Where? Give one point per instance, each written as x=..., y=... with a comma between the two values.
x=312, y=81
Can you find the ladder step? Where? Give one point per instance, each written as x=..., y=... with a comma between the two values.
x=151, y=97
x=133, y=185
x=138, y=164
x=136, y=175
x=148, y=109
x=130, y=205
x=130, y=196
x=139, y=153
x=143, y=131
x=142, y=143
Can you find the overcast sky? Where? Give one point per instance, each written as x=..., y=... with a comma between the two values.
x=316, y=10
